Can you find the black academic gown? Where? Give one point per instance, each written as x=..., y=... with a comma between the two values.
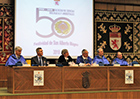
x=63, y=61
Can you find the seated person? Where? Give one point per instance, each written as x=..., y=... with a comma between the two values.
x=39, y=60
x=120, y=59
x=100, y=58
x=16, y=58
x=64, y=59
x=84, y=59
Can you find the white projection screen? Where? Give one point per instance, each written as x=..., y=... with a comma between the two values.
x=54, y=25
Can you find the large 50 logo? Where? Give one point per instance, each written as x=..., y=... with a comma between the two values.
x=61, y=27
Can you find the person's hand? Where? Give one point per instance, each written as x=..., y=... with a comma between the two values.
x=87, y=64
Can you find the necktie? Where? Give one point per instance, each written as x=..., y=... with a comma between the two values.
x=40, y=61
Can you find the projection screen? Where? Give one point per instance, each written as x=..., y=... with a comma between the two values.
x=54, y=25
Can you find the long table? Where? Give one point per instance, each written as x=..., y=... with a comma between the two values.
x=70, y=79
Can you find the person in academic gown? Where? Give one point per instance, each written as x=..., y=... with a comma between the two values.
x=100, y=58
x=120, y=60
x=84, y=59
x=39, y=59
x=16, y=58
x=65, y=58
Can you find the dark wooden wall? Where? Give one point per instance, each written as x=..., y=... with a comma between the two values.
x=7, y=1
x=3, y=76
x=119, y=5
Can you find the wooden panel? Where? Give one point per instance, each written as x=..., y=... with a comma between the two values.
x=3, y=83
x=10, y=75
x=117, y=78
x=101, y=6
x=120, y=7
x=110, y=7
x=73, y=78
x=136, y=8
x=7, y=1
x=3, y=76
x=97, y=6
x=57, y=79
x=129, y=8
x=23, y=80
x=120, y=1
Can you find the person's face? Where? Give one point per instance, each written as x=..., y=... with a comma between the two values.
x=66, y=54
x=18, y=52
x=85, y=54
x=40, y=52
x=119, y=55
x=101, y=52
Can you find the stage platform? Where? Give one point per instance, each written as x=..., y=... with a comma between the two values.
x=121, y=94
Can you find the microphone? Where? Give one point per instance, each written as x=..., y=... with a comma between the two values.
x=101, y=64
x=18, y=63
